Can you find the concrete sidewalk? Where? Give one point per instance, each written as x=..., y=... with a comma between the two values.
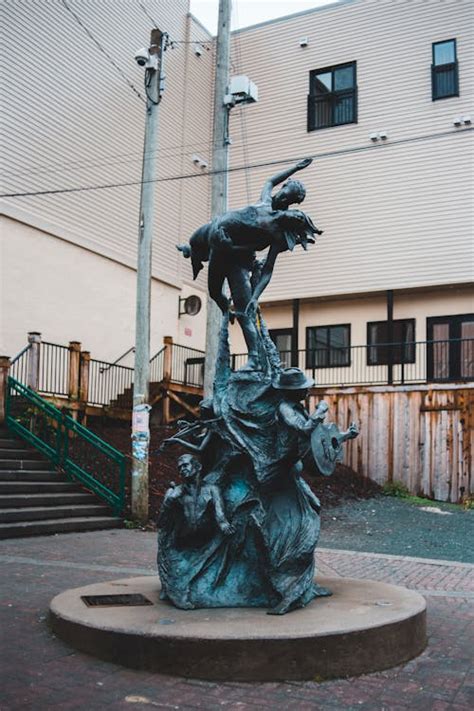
x=40, y=672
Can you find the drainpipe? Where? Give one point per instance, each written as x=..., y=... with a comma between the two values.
x=390, y=331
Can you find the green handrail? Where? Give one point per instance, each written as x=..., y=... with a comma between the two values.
x=66, y=443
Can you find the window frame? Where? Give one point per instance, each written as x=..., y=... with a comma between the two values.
x=454, y=322
x=391, y=361
x=435, y=67
x=309, y=361
x=310, y=112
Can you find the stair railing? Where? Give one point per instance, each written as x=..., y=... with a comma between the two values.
x=19, y=364
x=83, y=455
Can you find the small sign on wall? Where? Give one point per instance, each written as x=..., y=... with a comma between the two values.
x=188, y=331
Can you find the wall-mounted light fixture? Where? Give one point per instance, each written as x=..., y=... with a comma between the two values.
x=191, y=305
x=304, y=42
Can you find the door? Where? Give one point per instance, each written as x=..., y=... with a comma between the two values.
x=450, y=348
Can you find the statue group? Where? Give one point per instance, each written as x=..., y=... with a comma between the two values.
x=242, y=527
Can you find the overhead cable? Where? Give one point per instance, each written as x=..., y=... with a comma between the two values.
x=291, y=159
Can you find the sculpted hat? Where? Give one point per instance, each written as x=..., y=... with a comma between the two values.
x=292, y=379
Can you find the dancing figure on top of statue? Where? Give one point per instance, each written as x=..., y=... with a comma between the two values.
x=230, y=241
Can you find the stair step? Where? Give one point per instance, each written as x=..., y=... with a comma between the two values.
x=24, y=464
x=9, y=442
x=19, y=453
x=52, y=512
x=36, y=487
x=31, y=500
x=57, y=525
x=24, y=475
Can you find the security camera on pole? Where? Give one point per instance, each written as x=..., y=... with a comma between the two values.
x=152, y=61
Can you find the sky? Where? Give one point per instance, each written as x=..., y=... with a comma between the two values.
x=249, y=12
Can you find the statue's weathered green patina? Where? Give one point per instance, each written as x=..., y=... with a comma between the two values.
x=241, y=529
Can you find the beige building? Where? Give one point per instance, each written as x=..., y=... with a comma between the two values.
x=381, y=94
x=378, y=92
x=390, y=183
x=73, y=124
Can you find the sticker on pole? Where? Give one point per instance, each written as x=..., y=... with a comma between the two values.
x=141, y=419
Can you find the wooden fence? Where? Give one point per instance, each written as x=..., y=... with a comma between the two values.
x=421, y=436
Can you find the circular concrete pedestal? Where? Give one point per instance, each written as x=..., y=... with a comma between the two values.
x=365, y=626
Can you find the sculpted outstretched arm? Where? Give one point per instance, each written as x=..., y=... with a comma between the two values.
x=296, y=419
x=266, y=194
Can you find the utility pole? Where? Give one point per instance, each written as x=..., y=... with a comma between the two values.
x=151, y=60
x=220, y=158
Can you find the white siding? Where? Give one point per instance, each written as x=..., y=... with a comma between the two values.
x=71, y=120
x=397, y=215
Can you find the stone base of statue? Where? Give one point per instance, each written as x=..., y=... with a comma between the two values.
x=363, y=627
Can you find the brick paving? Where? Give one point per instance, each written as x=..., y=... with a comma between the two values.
x=38, y=671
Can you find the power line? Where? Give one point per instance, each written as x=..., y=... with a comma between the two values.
x=328, y=154
x=104, y=51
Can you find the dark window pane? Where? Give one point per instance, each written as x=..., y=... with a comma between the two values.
x=321, y=338
x=344, y=78
x=444, y=53
x=467, y=350
x=328, y=346
x=322, y=113
x=445, y=81
x=339, y=336
x=384, y=350
x=344, y=109
x=323, y=83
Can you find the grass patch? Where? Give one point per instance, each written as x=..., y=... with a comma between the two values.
x=400, y=491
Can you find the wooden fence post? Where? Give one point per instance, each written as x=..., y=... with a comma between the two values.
x=84, y=382
x=4, y=368
x=74, y=370
x=32, y=378
x=167, y=373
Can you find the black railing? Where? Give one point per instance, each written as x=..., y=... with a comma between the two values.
x=53, y=369
x=334, y=109
x=107, y=381
x=410, y=363
x=156, y=366
x=19, y=365
x=124, y=355
x=187, y=365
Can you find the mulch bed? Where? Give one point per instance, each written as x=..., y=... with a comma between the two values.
x=344, y=485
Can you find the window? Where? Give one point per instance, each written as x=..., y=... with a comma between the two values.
x=383, y=350
x=444, y=70
x=328, y=346
x=332, y=99
x=283, y=339
x=450, y=348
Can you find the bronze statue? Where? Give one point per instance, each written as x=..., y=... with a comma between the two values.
x=242, y=528
x=230, y=241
